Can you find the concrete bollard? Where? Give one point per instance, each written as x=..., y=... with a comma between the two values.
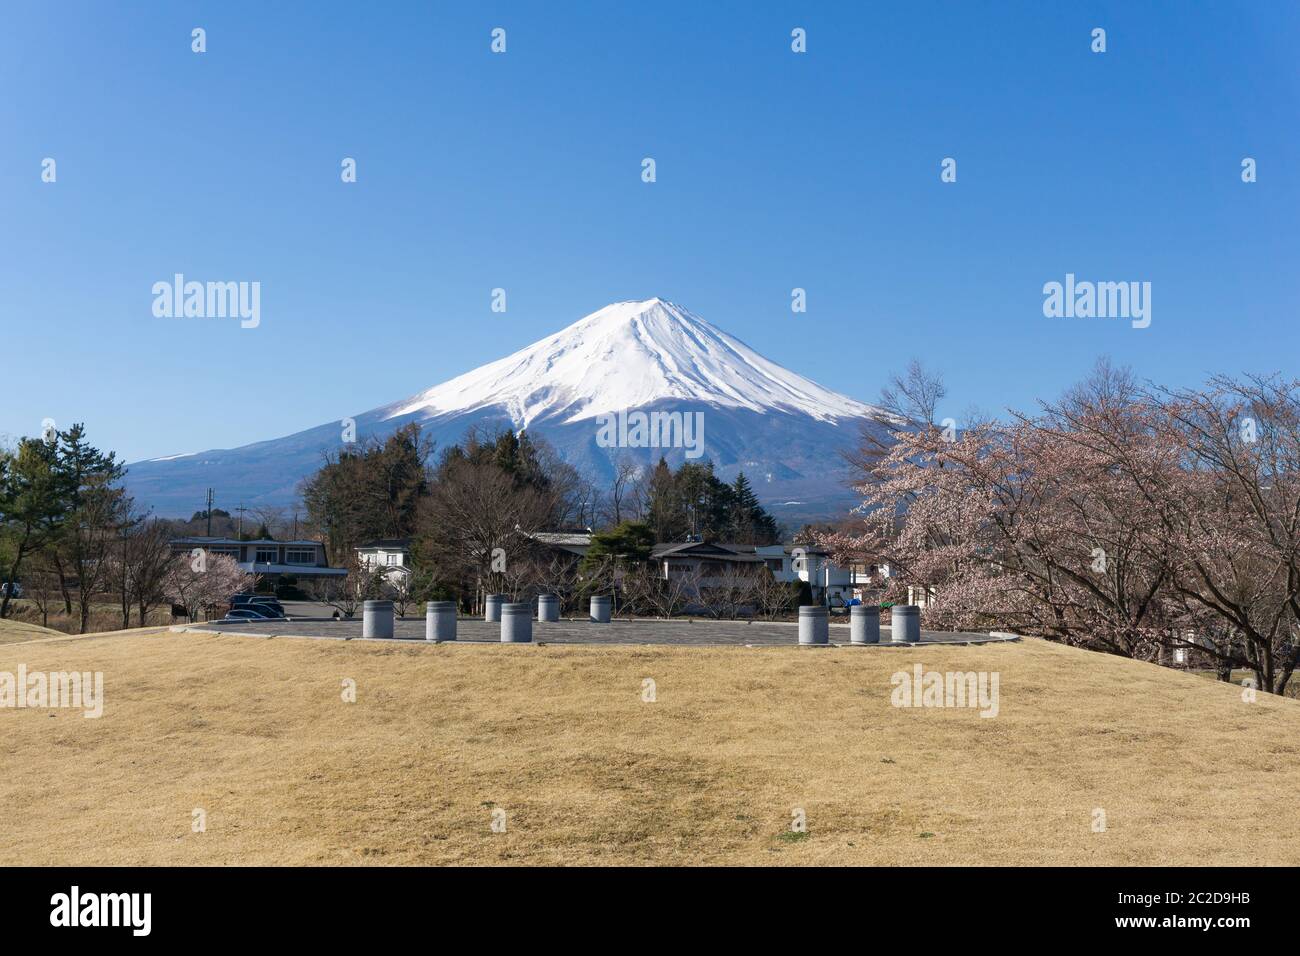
x=377, y=619
x=492, y=607
x=440, y=621
x=548, y=608
x=814, y=625
x=602, y=607
x=905, y=621
x=516, y=623
x=864, y=624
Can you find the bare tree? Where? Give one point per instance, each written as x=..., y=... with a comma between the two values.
x=730, y=593
x=479, y=522
x=148, y=556
x=398, y=588
x=665, y=596
x=624, y=501
x=345, y=592
x=912, y=399
x=271, y=518
x=772, y=598
x=138, y=566
x=41, y=586
x=908, y=403
x=554, y=574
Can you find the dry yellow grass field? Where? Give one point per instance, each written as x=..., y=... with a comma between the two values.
x=103, y=617
x=11, y=631
x=255, y=733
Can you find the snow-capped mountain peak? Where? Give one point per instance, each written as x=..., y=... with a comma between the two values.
x=625, y=356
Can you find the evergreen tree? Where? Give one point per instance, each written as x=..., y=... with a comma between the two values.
x=369, y=492
x=627, y=543
x=33, y=505
x=694, y=501
x=750, y=522
x=96, y=511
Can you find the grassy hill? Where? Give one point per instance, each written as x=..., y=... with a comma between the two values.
x=11, y=631
x=255, y=733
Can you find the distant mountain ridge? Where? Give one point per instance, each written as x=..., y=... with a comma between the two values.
x=785, y=431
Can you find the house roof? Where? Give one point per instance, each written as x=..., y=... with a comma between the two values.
x=254, y=541
x=705, y=549
x=570, y=538
x=387, y=544
x=295, y=570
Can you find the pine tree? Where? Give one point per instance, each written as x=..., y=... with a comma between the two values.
x=96, y=509
x=33, y=506
x=628, y=543
x=750, y=521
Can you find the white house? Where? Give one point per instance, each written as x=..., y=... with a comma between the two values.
x=390, y=558
x=920, y=596
x=829, y=582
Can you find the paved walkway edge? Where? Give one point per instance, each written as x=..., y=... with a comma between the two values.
x=965, y=640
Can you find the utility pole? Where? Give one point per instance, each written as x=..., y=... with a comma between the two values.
x=209, y=512
x=241, y=509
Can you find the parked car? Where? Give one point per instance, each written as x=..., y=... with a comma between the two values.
x=260, y=610
x=13, y=589
x=257, y=601
x=251, y=614
x=241, y=614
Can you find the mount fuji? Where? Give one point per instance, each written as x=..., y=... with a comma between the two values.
x=784, y=431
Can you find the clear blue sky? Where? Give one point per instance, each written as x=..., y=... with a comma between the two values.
x=522, y=171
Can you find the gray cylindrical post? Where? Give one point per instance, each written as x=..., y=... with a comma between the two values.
x=905, y=621
x=492, y=607
x=548, y=607
x=602, y=606
x=516, y=623
x=377, y=619
x=440, y=621
x=814, y=625
x=864, y=624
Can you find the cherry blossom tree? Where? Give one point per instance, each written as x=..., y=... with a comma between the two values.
x=1122, y=518
x=205, y=580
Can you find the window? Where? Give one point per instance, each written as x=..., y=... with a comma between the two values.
x=299, y=555
x=229, y=552
x=267, y=555
x=775, y=564
x=392, y=560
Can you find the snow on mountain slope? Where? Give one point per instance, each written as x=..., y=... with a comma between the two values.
x=625, y=356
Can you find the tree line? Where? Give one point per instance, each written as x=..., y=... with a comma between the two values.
x=477, y=512
x=75, y=542
x=70, y=533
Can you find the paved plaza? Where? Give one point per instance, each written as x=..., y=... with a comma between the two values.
x=676, y=631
